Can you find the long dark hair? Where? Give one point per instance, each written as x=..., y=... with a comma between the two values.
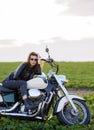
x=31, y=54
x=28, y=61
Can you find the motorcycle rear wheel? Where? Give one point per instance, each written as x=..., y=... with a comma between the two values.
x=66, y=116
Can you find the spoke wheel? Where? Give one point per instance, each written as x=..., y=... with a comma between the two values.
x=67, y=115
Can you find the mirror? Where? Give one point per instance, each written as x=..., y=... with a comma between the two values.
x=47, y=49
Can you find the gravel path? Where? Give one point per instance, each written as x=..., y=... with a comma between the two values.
x=82, y=91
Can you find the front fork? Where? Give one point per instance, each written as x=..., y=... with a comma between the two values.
x=75, y=110
x=66, y=94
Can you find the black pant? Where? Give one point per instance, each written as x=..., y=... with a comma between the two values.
x=16, y=84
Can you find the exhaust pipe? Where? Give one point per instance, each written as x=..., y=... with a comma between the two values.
x=5, y=112
x=11, y=109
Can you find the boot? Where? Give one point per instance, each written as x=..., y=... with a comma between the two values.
x=28, y=104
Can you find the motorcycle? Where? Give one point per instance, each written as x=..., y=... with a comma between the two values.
x=68, y=108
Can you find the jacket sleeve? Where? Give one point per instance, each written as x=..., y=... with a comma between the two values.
x=18, y=71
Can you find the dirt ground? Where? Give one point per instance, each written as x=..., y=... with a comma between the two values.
x=80, y=91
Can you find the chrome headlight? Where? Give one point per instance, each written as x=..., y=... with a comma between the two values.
x=62, y=78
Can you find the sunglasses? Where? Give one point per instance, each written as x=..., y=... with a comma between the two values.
x=34, y=59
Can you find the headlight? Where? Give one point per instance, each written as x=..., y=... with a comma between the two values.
x=63, y=78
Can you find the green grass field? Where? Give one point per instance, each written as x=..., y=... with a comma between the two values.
x=79, y=74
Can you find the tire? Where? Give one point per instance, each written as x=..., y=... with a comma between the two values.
x=66, y=116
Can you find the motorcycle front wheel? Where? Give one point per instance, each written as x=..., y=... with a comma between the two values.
x=67, y=117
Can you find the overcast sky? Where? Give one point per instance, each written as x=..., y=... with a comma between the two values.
x=66, y=26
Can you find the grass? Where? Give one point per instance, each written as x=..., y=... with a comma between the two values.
x=6, y=68
x=79, y=74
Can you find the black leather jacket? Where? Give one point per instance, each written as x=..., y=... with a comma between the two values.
x=23, y=72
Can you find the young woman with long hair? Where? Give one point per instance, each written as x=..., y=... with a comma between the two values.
x=18, y=79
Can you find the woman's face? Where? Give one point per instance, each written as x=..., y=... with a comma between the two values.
x=33, y=60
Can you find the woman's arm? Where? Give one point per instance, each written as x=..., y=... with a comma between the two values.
x=38, y=70
x=18, y=71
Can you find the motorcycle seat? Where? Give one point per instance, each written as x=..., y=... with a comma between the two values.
x=5, y=90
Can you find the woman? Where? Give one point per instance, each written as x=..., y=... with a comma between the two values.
x=23, y=73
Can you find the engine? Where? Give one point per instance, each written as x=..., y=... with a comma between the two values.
x=36, y=96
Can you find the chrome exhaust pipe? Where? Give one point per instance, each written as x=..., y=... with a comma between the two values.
x=11, y=109
x=17, y=114
x=5, y=113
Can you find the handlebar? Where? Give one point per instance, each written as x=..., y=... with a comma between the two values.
x=48, y=60
x=52, y=63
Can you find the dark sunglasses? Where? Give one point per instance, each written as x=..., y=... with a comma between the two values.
x=33, y=59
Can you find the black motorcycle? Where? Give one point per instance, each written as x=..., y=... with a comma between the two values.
x=68, y=108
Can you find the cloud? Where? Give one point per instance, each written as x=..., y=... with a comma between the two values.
x=75, y=50
x=78, y=7
x=19, y=53
x=34, y=21
x=60, y=50
x=7, y=42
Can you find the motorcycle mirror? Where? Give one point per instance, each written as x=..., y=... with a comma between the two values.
x=47, y=49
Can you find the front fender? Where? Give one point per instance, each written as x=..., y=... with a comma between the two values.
x=62, y=101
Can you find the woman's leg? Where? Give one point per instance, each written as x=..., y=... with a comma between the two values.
x=16, y=84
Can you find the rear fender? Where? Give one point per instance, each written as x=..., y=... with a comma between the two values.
x=62, y=101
